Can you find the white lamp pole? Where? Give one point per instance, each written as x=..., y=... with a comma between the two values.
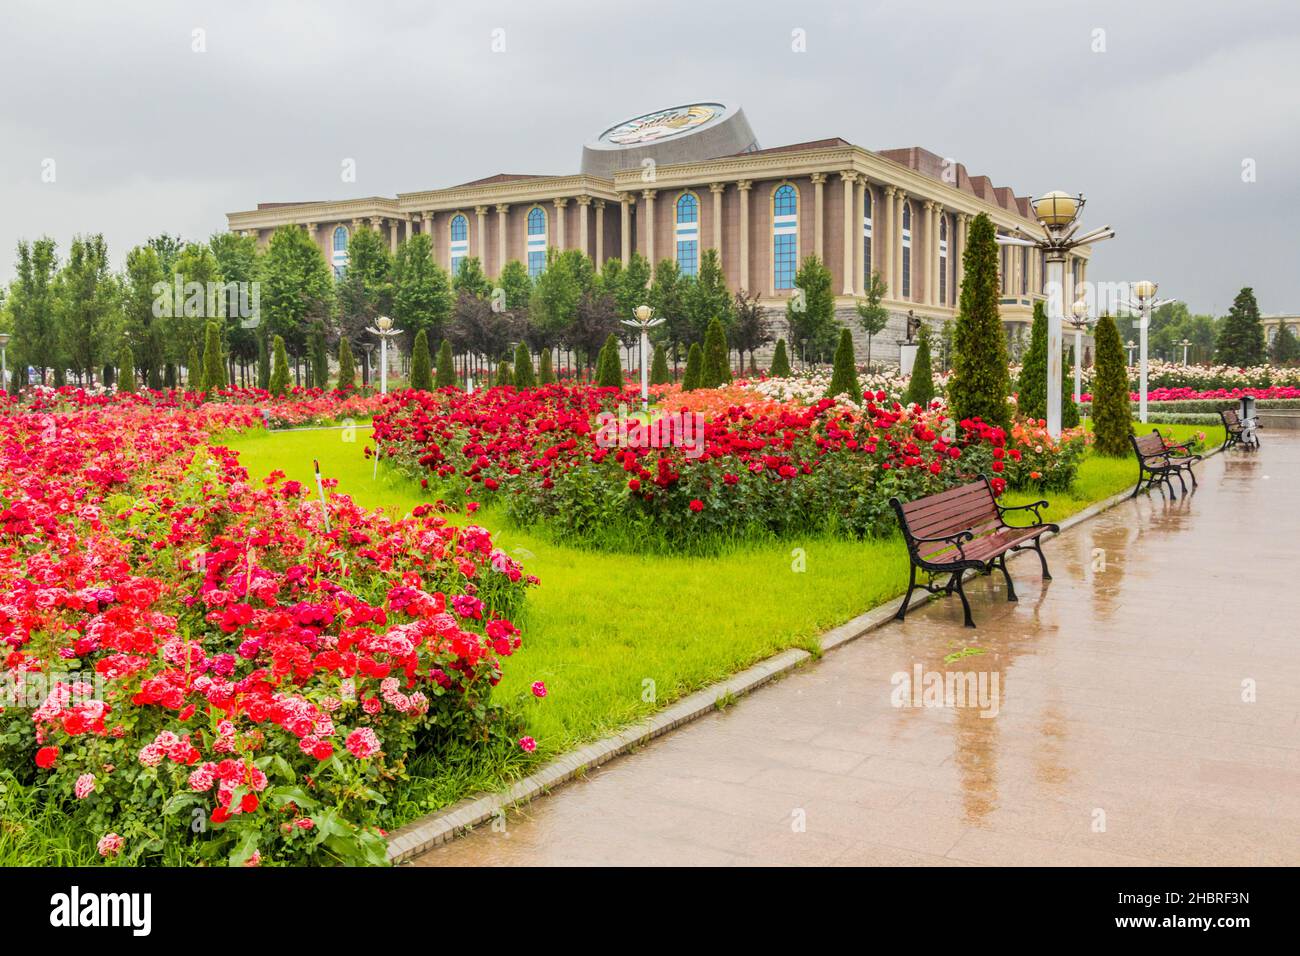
x=4, y=360
x=1146, y=302
x=1186, y=344
x=644, y=322
x=385, y=331
x=1057, y=214
x=1079, y=322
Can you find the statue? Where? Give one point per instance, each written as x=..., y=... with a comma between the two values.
x=913, y=327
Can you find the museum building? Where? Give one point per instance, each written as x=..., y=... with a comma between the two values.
x=678, y=181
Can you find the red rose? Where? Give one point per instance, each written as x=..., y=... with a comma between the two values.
x=997, y=466
x=634, y=485
x=249, y=803
x=697, y=505
x=46, y=756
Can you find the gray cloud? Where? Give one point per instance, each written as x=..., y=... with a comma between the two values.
x=149, y=136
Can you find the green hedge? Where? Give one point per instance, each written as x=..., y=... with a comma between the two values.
x=1206, y=405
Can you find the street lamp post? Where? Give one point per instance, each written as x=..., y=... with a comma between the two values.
x=1186, y=344
x=1146, y=302
x=1130, y=345
x=1057, y=214
x=644, y=322
x=1079, y=322
x=385, y=331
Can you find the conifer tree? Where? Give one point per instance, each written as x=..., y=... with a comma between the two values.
x=659, y=374
x=263, y=362
x=320, y=363
x=1112, y=417
x=505, y=374
x=126, y=370
x=193, y=372
x=716, y=370
x=278, y=383
x=844, y=375
x=920, y=387
x=545, y=367
x=979, y=384
x=214, y=363
x=446, y=366
x=780, y=361
x=694, y=368
x=1241, y=337
x=347, y=368
x=609, y=367
x=1069, y=410
x=421, y=374
x=1031, y=387
x=524, y=377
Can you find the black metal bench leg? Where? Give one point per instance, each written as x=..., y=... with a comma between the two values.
x=1042, y=559
x=1138, y=488
x=961, y=593
x=1011, y=588
x=911, y=586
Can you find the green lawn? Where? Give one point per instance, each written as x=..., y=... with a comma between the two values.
x=603, y=625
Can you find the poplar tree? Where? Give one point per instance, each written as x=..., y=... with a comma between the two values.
x=1112, y=416
x=980, y=382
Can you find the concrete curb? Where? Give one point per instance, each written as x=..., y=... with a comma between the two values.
x=446, y=824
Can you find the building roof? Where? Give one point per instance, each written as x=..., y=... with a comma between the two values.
x=499, y=178
x=277, y=205
x=955, y=174
x=811, y=144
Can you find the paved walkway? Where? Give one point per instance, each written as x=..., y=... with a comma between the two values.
x=1116, y=740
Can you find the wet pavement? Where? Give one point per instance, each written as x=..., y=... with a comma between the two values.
x=1140, y=708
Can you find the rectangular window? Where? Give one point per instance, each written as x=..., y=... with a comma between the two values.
x=688, y=256
x=785, y=250
x=866, y=241
x=907, y=262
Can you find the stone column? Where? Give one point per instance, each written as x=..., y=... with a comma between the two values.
x=409, y=228
x=958, y=253
x=859, y=240
x=600, y=232
x=625, y=220
x=886, y=252
x=559, y=222
x=503, y=244
x=900, y=197
x=930, y=249
x=848, y=177
x=649, y=196
x=743, y=187
x=717, y=189
x=819, y=214
x=426, y=226
x=311, y=234
x=356, y=223
x=584, y=204
x=480, y=214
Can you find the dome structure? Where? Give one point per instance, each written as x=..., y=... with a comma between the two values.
x=679, y=134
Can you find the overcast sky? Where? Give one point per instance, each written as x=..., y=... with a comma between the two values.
x=149, y=136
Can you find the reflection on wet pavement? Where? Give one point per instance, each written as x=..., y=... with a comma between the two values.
x=1141, y=708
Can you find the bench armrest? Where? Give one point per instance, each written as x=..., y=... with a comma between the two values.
x=1032, y=506
x=1184, y=446
x=956, y=540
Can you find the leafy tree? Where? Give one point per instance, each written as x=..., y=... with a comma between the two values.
x=553, y=302
x=236, y=258
x=1112, y=417
x=142, y=329
x=979, y=383
x=365, y=291
x=634, y=278
x=1031, y=387
x=33, y=305
x=421, y=376
x=750, y=330
x=126, y=370
x=811, y=312
x=609, y=370
x=296, y=287
x=189, y=306
x=422, y=298
x=707, y=298
x=780, y=361
x=87, y=300
x=873, y=316
x=168, y=248
x=446, y=366
x=595, y=321
x=471, y=278
x=716, y=370
x=347, y=368
x=659, y=374
x=524, y=377
x=279, y=381
x=1285, y=348
x=844, y=375
x=1241, y=337
x=667, y=296
x=920, y=387
x=214, y=363
x=545, y=371
x=694, y=368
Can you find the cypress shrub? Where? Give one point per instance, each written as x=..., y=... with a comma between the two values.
x=844, y=376
x=505, y=374
x=308, y=380
x=716, y=370
x=421, y=374
x=347, y=368
x=1069, y=410
x=126, y=370
x=446, y=366
x=1031, y=387
x=320, y=363
x=979, y=384
x=609, y=367
x=278, y=383
x=780, y=361
x=263, y=364
x=920, y=388
x=193, y=372
x=214, y=365
x=16, y=382
x=545, y=368
x=524, y=377
x=694, y=363
x=1241, y=340
x=659, y=374
x=1112, y=418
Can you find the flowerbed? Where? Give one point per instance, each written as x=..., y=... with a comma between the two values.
x=1269, y=393
x=192, y=660
x=765, y=469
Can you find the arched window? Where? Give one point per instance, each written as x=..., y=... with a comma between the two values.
x=943, y=258
x=907, y=250
x=459, y=241
x=339, y=257
x=866, y=238
x=688, y=234
x=536, y=241
x=785, y=236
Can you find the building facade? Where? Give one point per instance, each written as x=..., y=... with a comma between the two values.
x=673, y=183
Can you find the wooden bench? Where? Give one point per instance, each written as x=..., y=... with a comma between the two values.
x=962, y=529
x=1159, y=460
x=1237, y=432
